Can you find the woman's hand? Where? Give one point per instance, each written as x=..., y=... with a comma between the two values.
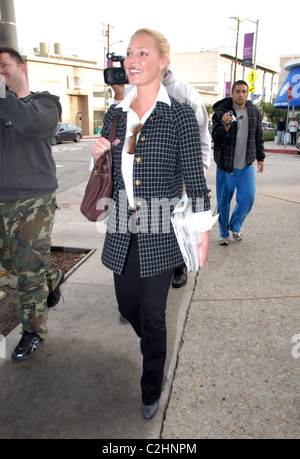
x=203, y=248
x=101, y=146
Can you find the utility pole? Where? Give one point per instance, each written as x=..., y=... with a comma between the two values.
x=108, y=37
x=236, y=48
x=255, y=52
x=236, y=45
x=106, y=34
x=238, y=19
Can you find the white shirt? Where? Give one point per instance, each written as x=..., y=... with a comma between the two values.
x=132, y=120
x=293, y=126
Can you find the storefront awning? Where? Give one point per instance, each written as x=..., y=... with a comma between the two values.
x=293, y=79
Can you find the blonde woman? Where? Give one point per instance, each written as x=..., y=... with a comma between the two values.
x=149, y=169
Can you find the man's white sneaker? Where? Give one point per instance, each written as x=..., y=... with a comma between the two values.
x=224, y=241
x=237, y=236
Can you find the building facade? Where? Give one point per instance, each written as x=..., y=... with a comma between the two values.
x=84, y=96
x=78, y=82
x=211, y=72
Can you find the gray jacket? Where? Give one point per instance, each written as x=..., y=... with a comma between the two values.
x=27, y=127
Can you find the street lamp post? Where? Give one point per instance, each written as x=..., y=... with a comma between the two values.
x=237, y=39
x=236, y=45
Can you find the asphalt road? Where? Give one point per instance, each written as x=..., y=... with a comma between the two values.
x=72, y=163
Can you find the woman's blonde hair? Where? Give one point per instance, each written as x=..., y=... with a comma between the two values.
x=161, y=42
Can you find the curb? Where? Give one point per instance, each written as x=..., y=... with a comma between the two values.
x=287, y=152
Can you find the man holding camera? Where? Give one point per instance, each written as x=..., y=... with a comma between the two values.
x=238, y=142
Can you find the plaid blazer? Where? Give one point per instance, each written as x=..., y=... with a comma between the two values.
x=167, y=154
x=224, y=141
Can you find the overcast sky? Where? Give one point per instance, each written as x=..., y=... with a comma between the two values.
x=189, y=26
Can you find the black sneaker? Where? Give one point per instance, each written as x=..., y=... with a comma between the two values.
x=179, y=277
x=27, y=345
x=55, y=296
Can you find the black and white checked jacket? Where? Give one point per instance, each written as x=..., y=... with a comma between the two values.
x=168, y=152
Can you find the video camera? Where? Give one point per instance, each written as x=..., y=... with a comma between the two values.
x=233, y=118
x=115, y=75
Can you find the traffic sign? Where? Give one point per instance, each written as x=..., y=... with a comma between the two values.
x=252, y=88
x=252, y=77
x=290, y=93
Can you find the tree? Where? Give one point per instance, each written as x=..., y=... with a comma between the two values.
x=270, y=112
x=209, y=109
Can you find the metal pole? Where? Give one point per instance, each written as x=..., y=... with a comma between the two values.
x=287, y=122
x=108, y=37
x=236, y=48
x=8, y=28
x=255, y=54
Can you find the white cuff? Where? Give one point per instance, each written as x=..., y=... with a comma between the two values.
x=204, y=221
x=91, y=165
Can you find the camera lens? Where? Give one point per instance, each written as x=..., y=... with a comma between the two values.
x=115, y=75
x=118, y=75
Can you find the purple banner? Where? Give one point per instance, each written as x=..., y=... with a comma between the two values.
x=227, y=89
x=248, y=45
x=248, y=48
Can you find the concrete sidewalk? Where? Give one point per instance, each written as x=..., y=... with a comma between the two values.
x=84, y=381
x=230, y=346
x=238, y=369
x=272, y=147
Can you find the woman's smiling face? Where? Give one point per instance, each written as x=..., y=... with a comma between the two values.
x=143, y=63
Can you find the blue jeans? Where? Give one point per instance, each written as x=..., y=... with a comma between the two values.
x=280, y=137
x=243, y=181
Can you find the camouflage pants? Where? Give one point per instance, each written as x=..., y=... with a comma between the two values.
x=25, y=230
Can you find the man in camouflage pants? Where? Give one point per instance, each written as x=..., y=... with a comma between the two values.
x=27, y=198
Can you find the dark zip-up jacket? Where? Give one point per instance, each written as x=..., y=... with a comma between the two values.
x=225, y=141
x=27, y=126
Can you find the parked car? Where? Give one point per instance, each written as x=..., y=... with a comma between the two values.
x=67, y=131
x=267, y=126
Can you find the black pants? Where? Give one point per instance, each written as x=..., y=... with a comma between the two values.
x=293, y=138
x=142, y=301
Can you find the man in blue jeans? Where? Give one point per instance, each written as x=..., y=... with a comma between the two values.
x=238, y=142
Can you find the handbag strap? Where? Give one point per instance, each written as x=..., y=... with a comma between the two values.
x=112, y=134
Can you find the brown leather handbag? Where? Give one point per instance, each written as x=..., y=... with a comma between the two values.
x=100, y=185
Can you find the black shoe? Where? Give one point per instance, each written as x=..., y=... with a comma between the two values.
x=179, y=277
x=122, y=319
x=149, y=411
x=27, y=345
x=55, y=296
